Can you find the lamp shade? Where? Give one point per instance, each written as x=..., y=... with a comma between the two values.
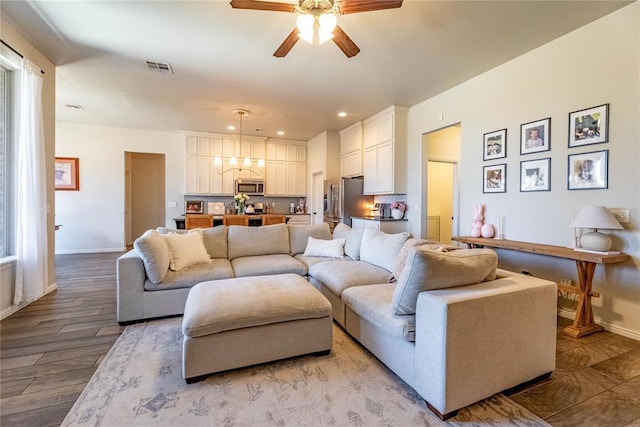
x=596, y=217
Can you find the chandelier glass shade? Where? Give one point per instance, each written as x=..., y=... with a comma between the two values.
x=321, y=25
x=233, y=161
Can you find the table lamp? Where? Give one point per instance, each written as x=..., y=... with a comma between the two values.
x=596, y=217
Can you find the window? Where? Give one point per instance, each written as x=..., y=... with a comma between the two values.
x=7, y=107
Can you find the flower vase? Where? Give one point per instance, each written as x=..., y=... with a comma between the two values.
x=397, y=214
x=241, y=209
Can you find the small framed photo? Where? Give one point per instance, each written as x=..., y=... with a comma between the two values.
x=589, y=126
x=589, y=171
x=67, y=170
x=194, y=206
x=494, y=178
x=535, y=175
x=494, y=145
x=535, y=136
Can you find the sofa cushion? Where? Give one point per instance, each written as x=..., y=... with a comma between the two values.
x=186, y=249
x=155, y=255
x=214, y=270
x=325, y=248
x=353, y=239
x=379, y=248
x=250, y=241
x=401, y=259
x=311, y=260
x=342, y=274
x=428, y=269
x=215, y=241
x=299, y=235
x=263, y=265
x=373, y=303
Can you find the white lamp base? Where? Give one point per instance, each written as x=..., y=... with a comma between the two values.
x=595, y=241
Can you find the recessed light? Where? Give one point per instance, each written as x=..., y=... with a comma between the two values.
x=231, y=127
x=280, y=132
x=342, y=114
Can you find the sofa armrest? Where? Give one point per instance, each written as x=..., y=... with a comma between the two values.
x=130, y=278
x=475, y=341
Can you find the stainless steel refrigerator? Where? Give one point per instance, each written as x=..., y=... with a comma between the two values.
x=343, y=199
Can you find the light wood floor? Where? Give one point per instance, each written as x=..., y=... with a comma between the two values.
x=50, y=349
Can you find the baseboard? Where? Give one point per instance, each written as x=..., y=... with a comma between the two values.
x=15, y=308
x=89, y=251
x=629, y=333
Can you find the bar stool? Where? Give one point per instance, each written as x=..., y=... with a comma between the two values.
x=235, y=220
x=198, y=221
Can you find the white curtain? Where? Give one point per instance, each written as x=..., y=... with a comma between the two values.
x=31, y=201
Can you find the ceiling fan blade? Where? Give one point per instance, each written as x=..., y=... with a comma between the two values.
x=355, y=6
x=262, y=5
x=344, y=42
x=287, y=44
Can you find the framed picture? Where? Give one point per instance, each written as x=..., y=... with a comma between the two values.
x=494, y=145
x=67, y=173
x=535, y=136
x=535, y=175
x=589, y=171
x=589, y=126
x=194, y=206
x=494, y=178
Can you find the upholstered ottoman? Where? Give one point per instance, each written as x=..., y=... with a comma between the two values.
x=244, y=321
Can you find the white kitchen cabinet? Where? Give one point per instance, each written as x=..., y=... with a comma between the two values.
x=351, y=151
x=203, y=175
x=390, y=227
x=385, y=152
x=286, y=167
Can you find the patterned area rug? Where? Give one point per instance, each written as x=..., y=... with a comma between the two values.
x=140, y=383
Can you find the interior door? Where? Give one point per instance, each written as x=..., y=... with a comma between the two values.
x=317, y=198
x=144, y=193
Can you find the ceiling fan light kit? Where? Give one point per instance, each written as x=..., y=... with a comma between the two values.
x=318, y=20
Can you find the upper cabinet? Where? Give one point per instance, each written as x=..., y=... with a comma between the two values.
x=351, y=151
x=385, y=152
x=285, y=169
x=204, y=176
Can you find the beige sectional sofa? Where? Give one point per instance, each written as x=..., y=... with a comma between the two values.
x=453, y=326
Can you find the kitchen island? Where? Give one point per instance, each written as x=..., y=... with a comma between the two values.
x=255, y=220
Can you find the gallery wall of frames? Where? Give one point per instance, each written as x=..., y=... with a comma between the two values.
x=586, y=169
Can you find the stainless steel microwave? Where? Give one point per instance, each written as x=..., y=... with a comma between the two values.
x=252, y=187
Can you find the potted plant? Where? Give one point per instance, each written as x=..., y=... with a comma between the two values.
x=397, y=209
x=241, y=200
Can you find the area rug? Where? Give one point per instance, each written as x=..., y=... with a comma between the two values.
x=140, y=383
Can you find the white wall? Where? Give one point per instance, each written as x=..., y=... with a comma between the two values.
x=596, y=64
x=92, y=219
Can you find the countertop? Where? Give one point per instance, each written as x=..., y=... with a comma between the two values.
x=181, y=217
x=377, y=218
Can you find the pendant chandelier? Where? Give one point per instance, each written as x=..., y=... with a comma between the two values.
x=233, y=161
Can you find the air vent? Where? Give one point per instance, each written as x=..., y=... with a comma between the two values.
x=74, y=106
x=258, y=130
x=163, y=67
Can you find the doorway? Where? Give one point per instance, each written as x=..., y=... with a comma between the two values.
x=317, y=197
x=144, y=193
x=442, y=148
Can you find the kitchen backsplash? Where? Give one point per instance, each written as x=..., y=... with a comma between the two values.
x=282, y=204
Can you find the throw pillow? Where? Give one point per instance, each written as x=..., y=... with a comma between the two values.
x=353, y=239
x=427, y=269
x=401, y=259
x=155, y=255
x=186, y=249
x=379, y=248
x=325, y=248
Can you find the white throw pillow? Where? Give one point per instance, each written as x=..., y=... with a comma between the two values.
x=325, y=248
x=379, y=248
x=186, y=249
x=155, y=255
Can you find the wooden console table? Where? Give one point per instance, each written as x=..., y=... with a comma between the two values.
x=586, y=262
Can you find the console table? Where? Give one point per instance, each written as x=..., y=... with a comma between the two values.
x=586, y=262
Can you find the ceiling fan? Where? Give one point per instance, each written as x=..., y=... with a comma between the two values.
x=317, y=20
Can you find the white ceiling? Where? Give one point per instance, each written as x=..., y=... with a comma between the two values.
x=222, y=58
